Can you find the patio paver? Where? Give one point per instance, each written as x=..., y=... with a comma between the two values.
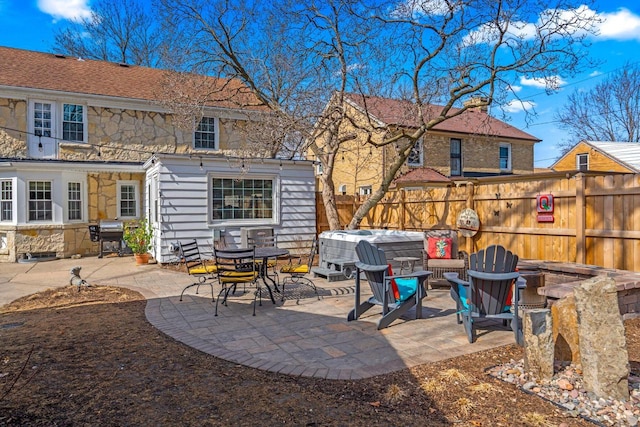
x=312, y=338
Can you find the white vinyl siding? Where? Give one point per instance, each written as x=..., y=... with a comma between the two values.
x=185, y=209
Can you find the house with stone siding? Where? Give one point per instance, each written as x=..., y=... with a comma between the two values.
x=472, y=144
x=83, y=141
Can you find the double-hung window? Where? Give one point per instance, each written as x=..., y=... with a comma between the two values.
x=415, y=156
x=40, y=201
x=505, y=157
x=6, y=200
x=206, y=134
x=73, y=122
x=74, y=201
x=128, y=200
x=582, y=162
x=242, y=199
x=455, y=156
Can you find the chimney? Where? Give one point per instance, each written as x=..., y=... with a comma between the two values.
x=472, y=103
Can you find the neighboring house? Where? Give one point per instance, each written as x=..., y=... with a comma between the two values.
x=83, y=141
x=601, y=156
x=473, y=144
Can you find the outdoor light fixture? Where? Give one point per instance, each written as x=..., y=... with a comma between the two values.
x=40, y=147
x=280, y=164
x=201, y=167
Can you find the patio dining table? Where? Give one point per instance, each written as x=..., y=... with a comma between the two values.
x=264, y=253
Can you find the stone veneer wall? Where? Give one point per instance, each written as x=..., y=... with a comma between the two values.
x=113, y=134
x=70, y=239
x=13, y=115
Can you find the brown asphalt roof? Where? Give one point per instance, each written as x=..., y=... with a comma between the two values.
x=421, y=175
x=29, y=69
x=403, y=113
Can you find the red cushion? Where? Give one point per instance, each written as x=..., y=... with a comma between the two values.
x=439, y=247
x=394, y=285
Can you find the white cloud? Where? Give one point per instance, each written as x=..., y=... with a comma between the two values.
x=516, y=88
x=551, y=82
x=72, y=10
x=619, y=25
x=517, y=106
x=595, y=73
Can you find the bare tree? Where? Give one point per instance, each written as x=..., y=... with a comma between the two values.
x=118, y=31
x=610, y=111
x=304, y=61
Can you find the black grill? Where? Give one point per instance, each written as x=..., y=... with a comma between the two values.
x=107, y=231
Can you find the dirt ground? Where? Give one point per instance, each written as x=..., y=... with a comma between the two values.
x=70, y=358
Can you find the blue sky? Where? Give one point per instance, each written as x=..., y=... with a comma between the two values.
x=31, y=24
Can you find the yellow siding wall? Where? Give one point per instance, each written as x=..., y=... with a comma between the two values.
x=597, y=161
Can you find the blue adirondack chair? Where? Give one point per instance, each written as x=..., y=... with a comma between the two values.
x=492, y=276
x=395, y=300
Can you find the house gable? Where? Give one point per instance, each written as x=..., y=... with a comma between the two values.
x=601, y=156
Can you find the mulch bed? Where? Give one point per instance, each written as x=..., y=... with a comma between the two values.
x=91, y=358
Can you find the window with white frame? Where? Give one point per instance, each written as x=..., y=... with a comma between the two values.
x=42, y=119
x=128, y=200
x=582, y=162
x=40, y=201
x=242, y=199
x=505, y=157
x=415, y=156
x=455, y=156
x=206, y=134
x=74, y=201
x=73, y=122
x=65, y=121
x=365, y=190
x=6, y=200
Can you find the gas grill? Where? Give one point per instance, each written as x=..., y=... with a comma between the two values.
x=107, y=231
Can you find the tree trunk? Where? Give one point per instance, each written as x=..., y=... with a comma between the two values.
x=329, y=200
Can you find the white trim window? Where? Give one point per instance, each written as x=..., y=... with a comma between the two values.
x=505, y=157
x=415, y=156
x=243, y=200
x=6, y=200
x=205, y=136
x=128, y=199
x=74, y=201
x=365, y=190
x=40, y=206
x=73, y=123
x=582, y=162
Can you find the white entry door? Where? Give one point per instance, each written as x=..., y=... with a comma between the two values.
x=41, y=140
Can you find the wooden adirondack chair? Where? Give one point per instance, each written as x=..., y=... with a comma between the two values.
x=396, y=294
x=492, y=275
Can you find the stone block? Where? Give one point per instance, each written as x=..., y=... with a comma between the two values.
x=565, y=330
x=538, y=343
x=603, y=348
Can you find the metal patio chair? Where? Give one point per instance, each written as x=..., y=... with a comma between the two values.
x=190, y=255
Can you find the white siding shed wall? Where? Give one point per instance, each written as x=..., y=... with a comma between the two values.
x=185, y=206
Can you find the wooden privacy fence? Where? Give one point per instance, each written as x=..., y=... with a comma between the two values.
x=596, y=216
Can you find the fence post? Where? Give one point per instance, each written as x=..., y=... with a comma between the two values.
x=402, y=208
x=581, y=256
x=470, y=205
